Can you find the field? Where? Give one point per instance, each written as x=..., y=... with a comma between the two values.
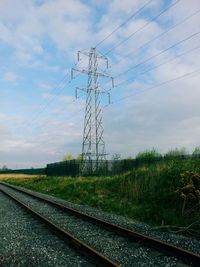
x=163, y=194
x=18, y=177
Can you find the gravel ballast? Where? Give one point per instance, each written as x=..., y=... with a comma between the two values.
x=115, y=247
x=179, y=240
x=27, y=242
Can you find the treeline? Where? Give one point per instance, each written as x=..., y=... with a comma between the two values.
x=146, y=154
x=3, y=168
x=173, y=153
x=112, y=167
x=75, y=167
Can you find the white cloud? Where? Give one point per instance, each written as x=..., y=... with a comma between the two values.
x=130, y=7
x=164, y=117
x=5, y=35
x=53, y=136
x=45, y=86
x=10, y=76
x=65, y=23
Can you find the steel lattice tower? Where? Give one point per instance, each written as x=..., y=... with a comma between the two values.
x=93, y=145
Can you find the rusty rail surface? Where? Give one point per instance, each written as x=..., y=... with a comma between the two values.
x=185, y=255
x=97, y=258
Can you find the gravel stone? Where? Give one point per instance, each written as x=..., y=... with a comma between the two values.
x=27, y=242
x=116, y=247
x=179, y=240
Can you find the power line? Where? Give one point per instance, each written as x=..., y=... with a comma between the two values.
x=128, y=19
x=159, y=85
x=49, y=102
x=46, y=104
x=158, y=36
x=124, y=23
x=78, y=112
x=121, y=25
x=57, y=86
x=141, y=28
x=163, y=33
x=145, y=90
x=42, y=126
x=59, y=83
x=160, y=65
x=158, y=54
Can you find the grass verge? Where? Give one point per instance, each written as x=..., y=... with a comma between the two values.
x=164, y=193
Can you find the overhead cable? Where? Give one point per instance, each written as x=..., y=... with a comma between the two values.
x=141, y=28
x=158, y=54
x=125, y=22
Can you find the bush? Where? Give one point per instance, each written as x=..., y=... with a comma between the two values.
x=148, y=155
x=196, y=151
x=177, y=152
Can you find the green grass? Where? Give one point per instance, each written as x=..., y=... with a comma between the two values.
x=148, y=193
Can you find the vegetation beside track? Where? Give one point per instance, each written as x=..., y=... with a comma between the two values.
x=166, y=193
x=18, y=176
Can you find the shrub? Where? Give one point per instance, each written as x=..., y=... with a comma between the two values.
x=148, y=155
x=176, y=152
x=189, y=190
x=196, y=151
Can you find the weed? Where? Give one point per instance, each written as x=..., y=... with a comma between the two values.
x=149, y=193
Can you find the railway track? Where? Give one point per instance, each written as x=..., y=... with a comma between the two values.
x=25, y=241
x=97, y=258
x=104, y=237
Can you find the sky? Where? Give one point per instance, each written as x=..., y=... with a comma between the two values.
x=154, y=59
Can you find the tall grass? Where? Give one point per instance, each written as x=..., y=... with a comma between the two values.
x=149, y=193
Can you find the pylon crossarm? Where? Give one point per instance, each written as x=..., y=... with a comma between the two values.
x=78, y=70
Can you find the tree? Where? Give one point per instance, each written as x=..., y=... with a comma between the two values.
x=176, y=152
x=4, y=168
x=71, y=157
x=196, y=151
x=80, y=156
x=148, y=154
x=116, y=156
x=68, y=157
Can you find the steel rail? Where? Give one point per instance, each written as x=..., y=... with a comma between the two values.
x=97, y=258
x=185, y=255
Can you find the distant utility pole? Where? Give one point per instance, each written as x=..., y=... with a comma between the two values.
x=93, y=145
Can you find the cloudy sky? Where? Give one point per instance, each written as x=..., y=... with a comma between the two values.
x=154, y=58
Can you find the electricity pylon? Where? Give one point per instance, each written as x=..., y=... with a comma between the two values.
x=93, y=145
